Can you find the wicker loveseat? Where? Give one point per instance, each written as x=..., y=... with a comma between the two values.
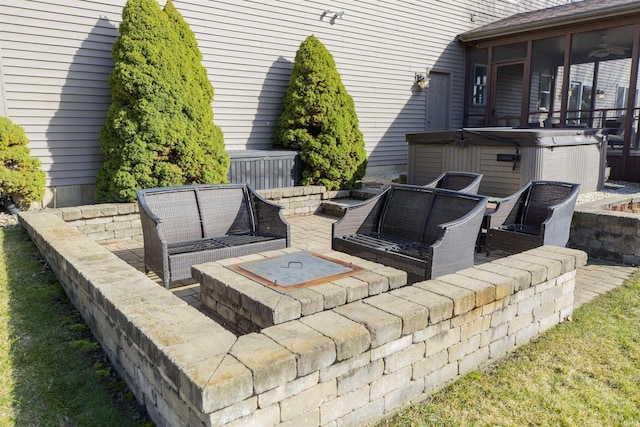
x=424, y=231
x=538, y=214
x=466, y=182
x=194, y=224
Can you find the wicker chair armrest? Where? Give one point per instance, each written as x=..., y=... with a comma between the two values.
x=268, y=216
x=155, y=245
x=454, y=249
x=145, y=209
x=556, y=227
x=471, y=187
x=434, y=183
x=566, y=206
x=353, y=220
x=151, y=223
x=504, y=207
x=462, y=229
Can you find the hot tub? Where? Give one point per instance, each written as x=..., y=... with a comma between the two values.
x=509, y=158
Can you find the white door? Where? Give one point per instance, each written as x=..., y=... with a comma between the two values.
x=438, y=102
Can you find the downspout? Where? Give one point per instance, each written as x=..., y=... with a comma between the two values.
x=3, y=99
x=7, y=202
x=9, y=205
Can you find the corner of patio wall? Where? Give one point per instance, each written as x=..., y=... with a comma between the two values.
x=348, y=365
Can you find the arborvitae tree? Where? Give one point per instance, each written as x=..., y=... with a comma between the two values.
x=320, y=121
x=201, y=153
x=21, y=179
x=150, y=137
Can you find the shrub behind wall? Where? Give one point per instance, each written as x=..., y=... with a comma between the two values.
x=320, y=121
x=21, y=179
x=159, y=130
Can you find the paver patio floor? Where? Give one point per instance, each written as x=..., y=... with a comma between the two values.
x=313, y=233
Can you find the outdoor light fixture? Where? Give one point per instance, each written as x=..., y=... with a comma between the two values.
x=333, y=14
x=422, y=80
x=600, y=94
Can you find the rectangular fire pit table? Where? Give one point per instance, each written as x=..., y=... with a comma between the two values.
x=261, y=290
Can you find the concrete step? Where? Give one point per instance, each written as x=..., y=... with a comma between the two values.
x=335, y=207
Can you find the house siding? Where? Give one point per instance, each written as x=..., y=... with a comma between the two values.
x=55, y=60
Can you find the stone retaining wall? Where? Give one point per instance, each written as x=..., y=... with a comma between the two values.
x=606, y=233
x=113, y=222
x=345, y=366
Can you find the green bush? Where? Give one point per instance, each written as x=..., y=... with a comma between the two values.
x=202, y=156
x=159, y=130
x=320, y=121
x=21, y=178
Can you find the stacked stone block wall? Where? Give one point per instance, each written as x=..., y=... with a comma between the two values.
x=113, y=222
x=109, y=222
x=300, y=201
x=344, y=366
x=604, y=230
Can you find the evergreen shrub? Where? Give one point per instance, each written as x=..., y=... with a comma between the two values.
x=159, y=130
x=320, y=121
x=21, y=179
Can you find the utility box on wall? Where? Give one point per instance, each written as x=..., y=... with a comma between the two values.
x=509, y=158
x=264, y=169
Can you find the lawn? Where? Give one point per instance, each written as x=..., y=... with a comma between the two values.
x=52, y=371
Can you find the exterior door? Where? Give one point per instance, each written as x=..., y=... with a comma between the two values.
x=508, y=94
x=438, y=102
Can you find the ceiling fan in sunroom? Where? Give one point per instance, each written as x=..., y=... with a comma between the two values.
x=603, y=49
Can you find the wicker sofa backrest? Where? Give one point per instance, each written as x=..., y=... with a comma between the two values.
x=541, y=196
x=225, y=210
x=406, y=211
x=455, y=181
x=447, y=207
x=467, y=182
x=178, y=210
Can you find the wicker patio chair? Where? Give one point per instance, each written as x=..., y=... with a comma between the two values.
x=466, y=182
x=194, y=224
x=538, y=214
x=424, y=231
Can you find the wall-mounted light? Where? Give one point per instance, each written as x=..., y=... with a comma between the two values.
x=422, y=80
x=599, y=94
x=333, y=14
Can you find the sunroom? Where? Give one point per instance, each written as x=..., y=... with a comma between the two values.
x=570, y=66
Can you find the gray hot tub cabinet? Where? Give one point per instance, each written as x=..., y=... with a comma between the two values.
x=509, y=158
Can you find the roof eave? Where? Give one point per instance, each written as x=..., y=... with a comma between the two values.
x=554, y=22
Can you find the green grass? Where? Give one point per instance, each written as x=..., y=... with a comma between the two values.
x=52, y=371
x=585, y=372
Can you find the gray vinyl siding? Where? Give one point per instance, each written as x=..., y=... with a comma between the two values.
x=55, y=60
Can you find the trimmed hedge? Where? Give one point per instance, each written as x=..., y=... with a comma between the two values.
x=159, y=130
x=21, y=179
x=320, y=121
